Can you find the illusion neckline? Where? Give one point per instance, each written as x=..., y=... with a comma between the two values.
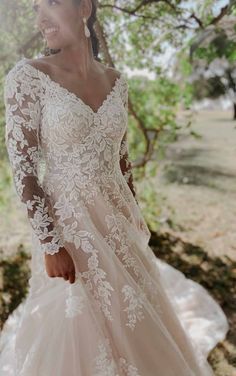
x=76, y=97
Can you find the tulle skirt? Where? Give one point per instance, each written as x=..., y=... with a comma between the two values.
x=162, y=324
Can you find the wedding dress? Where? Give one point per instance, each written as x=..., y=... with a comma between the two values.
x=128, y=313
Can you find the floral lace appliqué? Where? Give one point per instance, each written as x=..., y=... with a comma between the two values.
x=75, y=303
x=135, y=306
x=105, y=364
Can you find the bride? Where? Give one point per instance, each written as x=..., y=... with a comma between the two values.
x=99, y=303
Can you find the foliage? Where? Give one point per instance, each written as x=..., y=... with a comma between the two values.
x=14, y=272
x=213, y=57
x=163, y=26
x=135, y=36
x=5, y=183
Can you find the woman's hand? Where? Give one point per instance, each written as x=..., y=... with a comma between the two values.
x=60, y=264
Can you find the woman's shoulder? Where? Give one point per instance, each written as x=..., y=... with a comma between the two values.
x=40, y=64
x=22, y=78
x=110, y=71
x=15, y=68
x=21, y=70
x=113, y=74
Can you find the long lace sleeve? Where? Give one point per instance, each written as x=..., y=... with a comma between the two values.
x=125, y=163
x=22, y=118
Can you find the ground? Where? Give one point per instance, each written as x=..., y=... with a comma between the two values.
x=197, y=179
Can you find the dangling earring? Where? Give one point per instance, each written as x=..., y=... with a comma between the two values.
x=86, y=29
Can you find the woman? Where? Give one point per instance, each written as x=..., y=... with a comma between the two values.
x=99, y=302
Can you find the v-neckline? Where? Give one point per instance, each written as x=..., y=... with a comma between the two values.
x=76, y=97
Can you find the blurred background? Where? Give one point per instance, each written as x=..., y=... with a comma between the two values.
x=180, y=61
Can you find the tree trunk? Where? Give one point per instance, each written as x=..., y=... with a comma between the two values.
x=234, y=111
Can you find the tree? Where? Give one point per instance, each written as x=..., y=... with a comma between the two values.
x=136, y=34
x=213, y=55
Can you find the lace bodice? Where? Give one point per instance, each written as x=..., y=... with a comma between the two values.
x=35, y=105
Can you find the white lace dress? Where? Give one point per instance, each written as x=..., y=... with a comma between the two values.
x=128, y=313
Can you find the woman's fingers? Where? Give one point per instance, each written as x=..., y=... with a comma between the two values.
x=60, y=265
x=67, y=276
